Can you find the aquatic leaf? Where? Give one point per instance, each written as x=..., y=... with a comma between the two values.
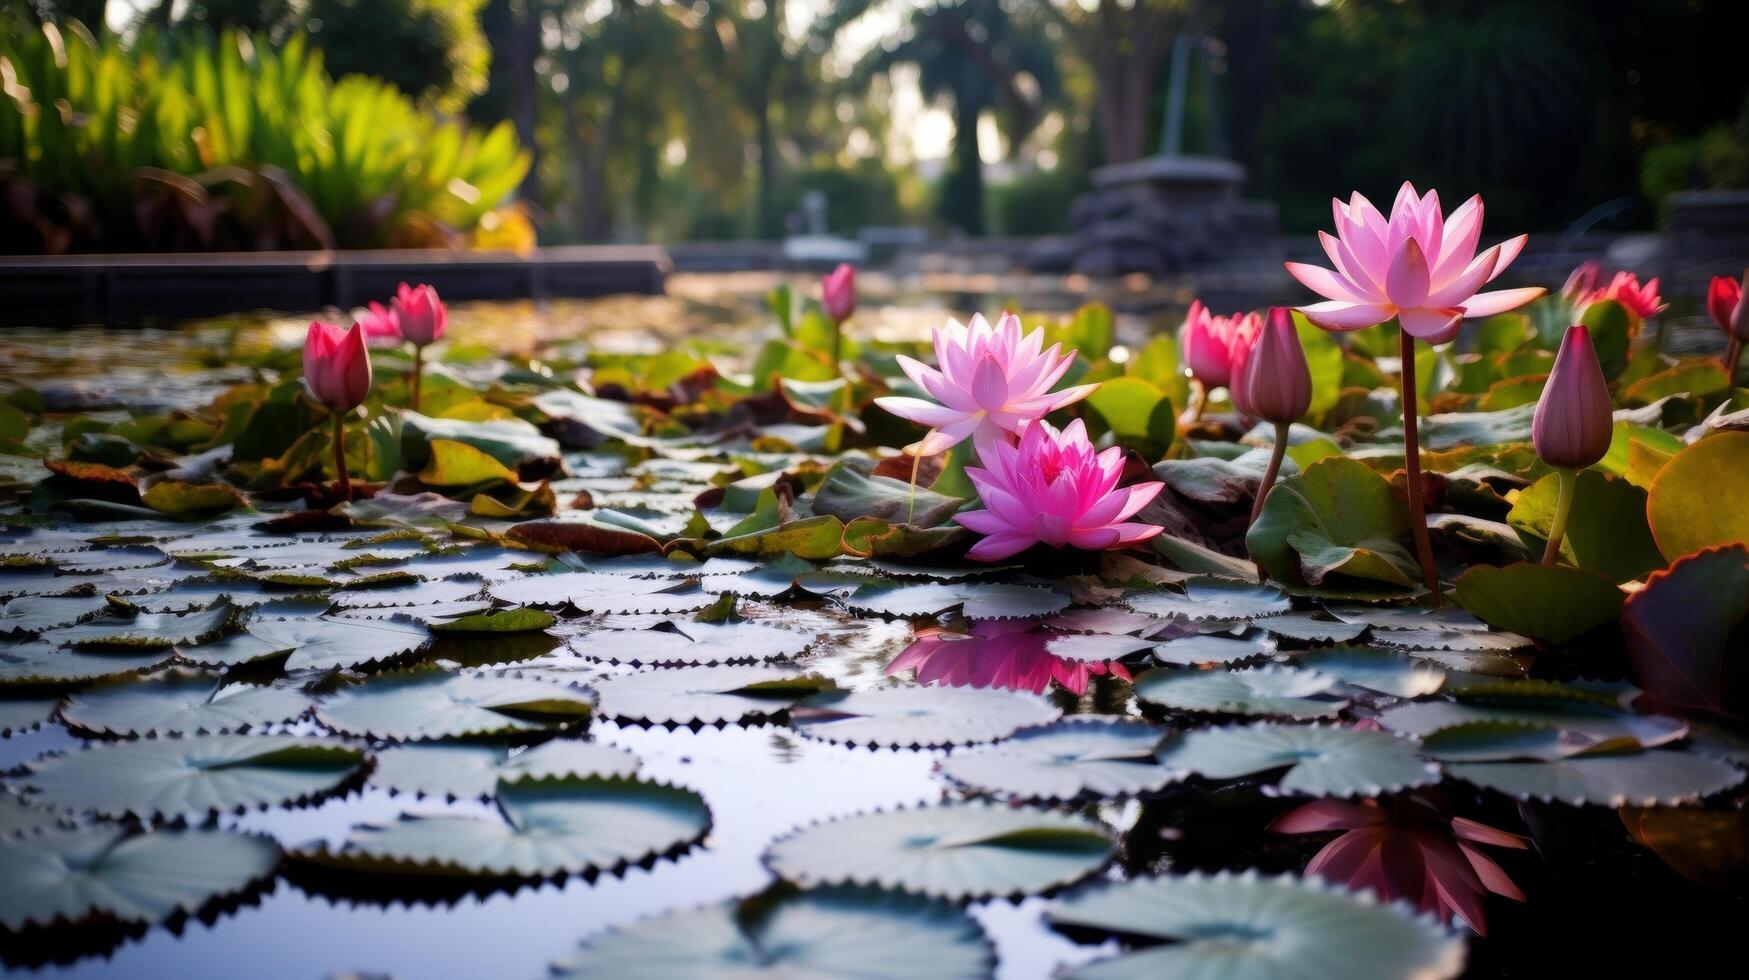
x=148, y=631
x=547, y=828
x=848, y=493
x=1606, y=529
x=1079, y=756
x=181, y=704
x=495, y=621
x=1136, y=413
x=1258, y=691
x=60, y=877
x=1396, y=674
x=583, y=535
x=975, y=600
x=1686, y=632
x=595, y=592
x=314, y=644
x=457, y=464
x=421, y=705
x=1319, y=760
x=823, y=932
x=27, y=615
x=1211, y=598
x=913, y=716
x=965, y=850
x=169, y=777
x=1556, y=603
x=43, y=663
x=705, y=694
x=513, y=442
x=1248, y=927
x=692, y=643
x=1587, y=726
x=23, y=714
x=1096, y=647
x=1308, y=628
x=1189, y=651
x=462, y=770
x=179, y=497
x=1685, y=503
x=1338, y=518
x=1659, y=777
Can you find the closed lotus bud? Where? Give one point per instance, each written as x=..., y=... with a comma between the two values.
x=421, y=314
x=336, y=365
x=838, y=292
x=1573, y=422
x=1271, y=381
x=1723, y=296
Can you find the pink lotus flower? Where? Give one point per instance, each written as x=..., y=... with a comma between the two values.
x=336, y=365
x=1582, y=281
x=422, y=315
x=1053, y=489
x=1212, y=344
x=838, y=292
x=1625, y=288
x=1417, y=266
x=382, y=328
x=1407, y=848
x=1574, y=418
x=1008, y=654
x=1271, y=380
x=989, y=381
x=1724, y=301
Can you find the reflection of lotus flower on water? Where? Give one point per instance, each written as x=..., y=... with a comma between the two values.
x=998, y=653
x=1407, y=848
x=990, y=382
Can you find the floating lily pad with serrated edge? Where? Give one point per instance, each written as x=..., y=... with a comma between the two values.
x=28, y=615
x=1319, y=760
x=1461, y=641
x=1395, y=674
x=315, y=644
x=1418, y=618
x=1595, y=725
x=416, y=593
x=148, y=631
x=1211, y=598
x=960, y=851
x=1307, y=628
x=111, y=560
x=1189, y=651
x=976, y=600
x=692, y=643
x=919, y=716
x=1658, y=777
x=422, y=705
x=1079, y=756
x=43, y=663
x=1096, y=647
x=427, y=616
x=547, y=828
x=1249, y=927
x=781, y=576
x=167, y=777
x=823, y=932
x=18, y=818
x=705, y=694
x=18, y=715
x=181, y=704
x=1258, y=691
x=62, y=877
x=594, y=592
x=462, y=771
x=518, y=620
x=1108, y=619
x=1556, y=603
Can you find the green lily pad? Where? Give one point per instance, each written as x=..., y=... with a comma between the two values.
x=1259, y=691
x=423, y=705
x=148, y=631
x=167, y=777
x=919, y=716
x=181, y=704
x=1338, y=518
x=848, y=493
x=44, y=663
x=1248, y=927
x=1606, y=533
x=1555, y=603
x=1080, y=756
x=513, y=442
x=1211, y=598
x=966, y=850
x=1136, y=413
x=1588, y=725
x=1686, y=506
x=1319, y=760
x=595, y=592
x=495, y=621
x=28, y=615
x=1396, y=674
x=1190, y=651
x=692, y=643
x=546, y=828
x=1660, y=777
x=67, y=876
x=705, y=694
x=462, y=770
x=314, y=644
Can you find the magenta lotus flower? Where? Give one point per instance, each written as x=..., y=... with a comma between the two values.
x=1009, y=654
x=336, y=365
x=838, y=292
x=1408, y=849
x=1054, y=489
x=1574, y=419
x=1271, y=380
x=1417, y=265
x=1625, y=288
x=990, y=382
x=1212, y=344
x=381, y=327
x=422, y=315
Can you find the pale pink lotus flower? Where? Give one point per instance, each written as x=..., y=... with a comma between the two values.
x=1054, y=489
x=336, y=365
x=1625, y=288
x=838, y=292
x=422, y=315
x=1009, y=654
x=382, y=328
x=1418, y=266
x=1212, y=344
x=989, y=382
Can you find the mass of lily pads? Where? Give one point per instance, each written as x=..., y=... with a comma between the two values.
x=1418, y=569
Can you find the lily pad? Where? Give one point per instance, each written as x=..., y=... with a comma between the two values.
x=959, y=851
x=27, y=615
x=1259, y=691
x=705, y=694
x=462, y=771
x=1686, y=633
x=1396, y=674
x=692, y=643
x=1339, y=519
x=423, y=705
x=1248, y=927
x=166, y=777
x=148, y=631
x=1308, y=628
x=21, y=715
x=595, y=592
x=546, y=828
x=67, y=876
x=1685, y=506
x=1606, y=531
x=1211, y=598
x=1556, y=603
x=1319, y=760
x=181, y=704
x=1187, y=651
x=1079, y=756
x=919, y=716
x=315, y=644
x=1097, y=647
x=975, y=600
x=43, y=663
x=1659, y=777
x=1590, y=725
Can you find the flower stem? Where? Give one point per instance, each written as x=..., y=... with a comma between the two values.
x=345, y=482
x=1412, y=469
x=837, y=345
x=418, y=369
x=911, y=505
x=1200, y=399
x=1275, y=457
x=1733, y=354
x=1569, y=480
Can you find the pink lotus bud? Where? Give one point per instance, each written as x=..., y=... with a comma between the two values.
x=1573, y=421
x=1211, y=344
x=382, y=328
x=422, y=315
x=1272, y=380
x=336, y=365
x=1731, y=310
x=1583, y=281
x=838, y=292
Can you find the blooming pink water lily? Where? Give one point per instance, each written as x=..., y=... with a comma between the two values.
x=1010, y=654
x=1625, y=288
x=838, y=292
x=422, y=315
x=336, y=365
x=1212, y=344
x=1054, y=489
x=989, y=381
x=1418, y=265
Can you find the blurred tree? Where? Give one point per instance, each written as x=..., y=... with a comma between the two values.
x=1123, y=44
x=512, y=31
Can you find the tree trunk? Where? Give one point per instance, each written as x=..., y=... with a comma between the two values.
x=520, y=53
x=962, y=199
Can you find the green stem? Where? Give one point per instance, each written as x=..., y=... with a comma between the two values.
x=837, y=344
x=911, y=503
x=1412, y=468
x=345, y=481
x=1275, y=457
x=418, y=369
x=1569, y=480
x=1733, y=354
